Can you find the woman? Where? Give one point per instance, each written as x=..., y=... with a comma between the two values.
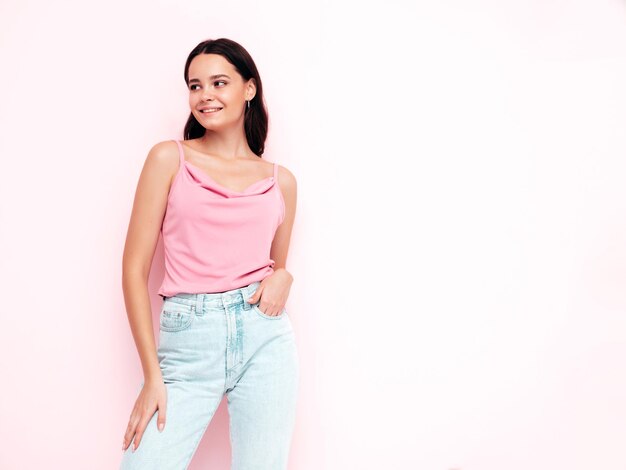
x=226, y=217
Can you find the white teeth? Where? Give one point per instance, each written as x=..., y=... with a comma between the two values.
x=210, y=110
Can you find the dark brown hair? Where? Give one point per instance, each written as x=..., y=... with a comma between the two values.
x=256, y=117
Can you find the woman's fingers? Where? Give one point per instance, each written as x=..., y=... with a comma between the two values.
x=152, y=398
x=161, y=415
x=130, y=429
x=274, y=310
x=141, y=427
x=264, y=305
x=271, y=311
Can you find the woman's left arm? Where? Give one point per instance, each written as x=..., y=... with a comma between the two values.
x=274, y=289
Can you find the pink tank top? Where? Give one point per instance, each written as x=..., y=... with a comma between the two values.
x=216, y=239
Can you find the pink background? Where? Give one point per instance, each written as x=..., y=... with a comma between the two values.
x=458, y=253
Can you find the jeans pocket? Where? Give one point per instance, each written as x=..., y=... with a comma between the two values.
x=176, y=316
x=256, y=308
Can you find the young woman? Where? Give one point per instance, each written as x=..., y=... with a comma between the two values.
x=226, y=217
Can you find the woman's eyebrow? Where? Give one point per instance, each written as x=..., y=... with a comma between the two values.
x=212, y=77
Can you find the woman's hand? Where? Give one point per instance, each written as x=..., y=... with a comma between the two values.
x=153, y=396
x=274, y=290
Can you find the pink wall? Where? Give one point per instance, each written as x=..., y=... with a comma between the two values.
x=458, y=253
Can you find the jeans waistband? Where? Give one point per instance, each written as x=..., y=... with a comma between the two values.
x=218, y=299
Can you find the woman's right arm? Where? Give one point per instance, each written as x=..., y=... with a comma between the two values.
x=146, y=219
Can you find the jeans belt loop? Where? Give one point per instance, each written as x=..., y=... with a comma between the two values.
x=245, y=293
x=199, y=304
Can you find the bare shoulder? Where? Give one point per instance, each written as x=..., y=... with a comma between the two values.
x=286, y=179
x=164, y=152
x=163, y=156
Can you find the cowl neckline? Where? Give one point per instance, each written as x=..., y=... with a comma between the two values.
x=203, y=179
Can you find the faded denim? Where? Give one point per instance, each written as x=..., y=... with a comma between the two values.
x=216, y=344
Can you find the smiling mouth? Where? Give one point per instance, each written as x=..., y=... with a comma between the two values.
x=211, y=110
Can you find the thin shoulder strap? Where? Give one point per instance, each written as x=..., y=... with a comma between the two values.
x=276, y=172
x=181, y=154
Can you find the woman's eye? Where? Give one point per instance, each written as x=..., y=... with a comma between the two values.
x=219, y=81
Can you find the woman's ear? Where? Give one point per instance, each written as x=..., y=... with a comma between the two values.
x=251, y=89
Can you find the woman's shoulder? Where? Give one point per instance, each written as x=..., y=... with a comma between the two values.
x=165, y=156
x=165, y=147
x=286, y=179
x=166, y=152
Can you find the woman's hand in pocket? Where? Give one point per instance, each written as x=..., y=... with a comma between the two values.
x=273, y=292
x=153, y=397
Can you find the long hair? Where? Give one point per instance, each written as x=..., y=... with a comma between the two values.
x=255, y=118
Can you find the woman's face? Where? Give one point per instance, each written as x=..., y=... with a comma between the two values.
x=214, y=82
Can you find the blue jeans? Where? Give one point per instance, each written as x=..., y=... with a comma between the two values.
x=216, y=344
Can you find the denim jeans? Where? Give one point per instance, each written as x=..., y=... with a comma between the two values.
x=216, y=344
